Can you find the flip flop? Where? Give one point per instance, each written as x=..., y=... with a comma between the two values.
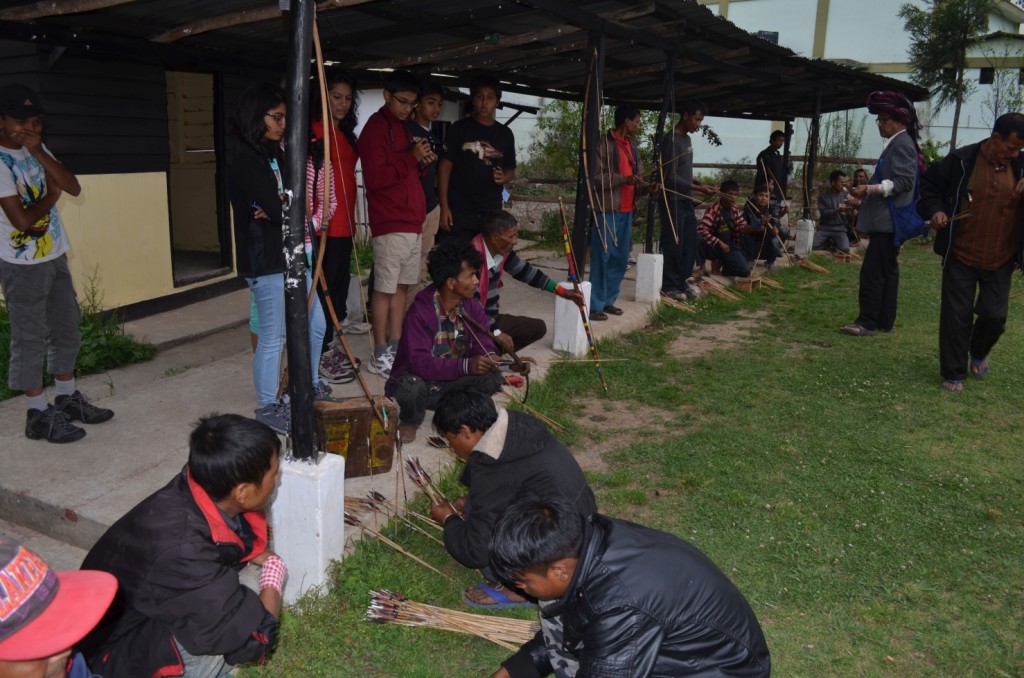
x=496, y=592
x=979, y=368
x=953, y=386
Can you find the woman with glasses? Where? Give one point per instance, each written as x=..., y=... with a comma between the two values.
x=891, y=190
x=255, y=187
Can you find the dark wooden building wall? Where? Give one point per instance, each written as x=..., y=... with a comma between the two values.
x=101, y=117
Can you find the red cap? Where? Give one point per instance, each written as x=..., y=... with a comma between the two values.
x=42, y=612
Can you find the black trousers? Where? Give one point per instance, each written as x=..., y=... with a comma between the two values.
x=679, y=257
x=969, y=292
x=523, y=330
x=879, y=283
x=415, y=396
x=734, y=262
x=337, y=258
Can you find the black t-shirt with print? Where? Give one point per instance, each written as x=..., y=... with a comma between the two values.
x=474, y=151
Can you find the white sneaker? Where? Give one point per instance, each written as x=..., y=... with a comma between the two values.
x=382, y=365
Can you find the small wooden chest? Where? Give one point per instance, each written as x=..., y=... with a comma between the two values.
x=349, y=427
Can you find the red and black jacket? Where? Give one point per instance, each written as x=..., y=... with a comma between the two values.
x=177, y=561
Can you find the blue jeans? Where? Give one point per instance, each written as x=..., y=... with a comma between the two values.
x=268, y=292
x=607, y=268
x=679, y=257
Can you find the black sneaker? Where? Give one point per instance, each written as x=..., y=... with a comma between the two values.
x=78, y=408
x=53, y=425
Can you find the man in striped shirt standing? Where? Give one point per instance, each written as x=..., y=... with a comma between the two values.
x=973, y=199
x=496, y=245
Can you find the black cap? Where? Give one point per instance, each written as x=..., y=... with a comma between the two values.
x=19, y=101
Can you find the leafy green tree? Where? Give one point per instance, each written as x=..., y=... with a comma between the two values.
x=941, y=36
x=554, y=151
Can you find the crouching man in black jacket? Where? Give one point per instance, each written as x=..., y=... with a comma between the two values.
x=509, y=455
x=618, y=599
x=188, y=601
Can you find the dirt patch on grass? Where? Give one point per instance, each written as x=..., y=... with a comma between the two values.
x=613, y=425
x=716, y=336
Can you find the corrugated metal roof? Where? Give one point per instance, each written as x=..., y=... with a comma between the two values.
x=536, y=46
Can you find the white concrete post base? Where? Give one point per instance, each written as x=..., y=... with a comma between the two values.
x=649, y=269
x=569, y=334
x=308, y=520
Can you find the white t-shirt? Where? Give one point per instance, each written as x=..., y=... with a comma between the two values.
x=22, y=175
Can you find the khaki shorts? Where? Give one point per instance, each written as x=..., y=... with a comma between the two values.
x=396, y=261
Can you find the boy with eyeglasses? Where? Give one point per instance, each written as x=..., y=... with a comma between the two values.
x=479, y=163
x=392, y=162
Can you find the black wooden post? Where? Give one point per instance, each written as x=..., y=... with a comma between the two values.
x=787, y=158
x=667, y=98
x=812, y=156
x=300, y=378
x=590, y=132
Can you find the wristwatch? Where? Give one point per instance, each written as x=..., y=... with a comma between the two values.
x=496, y=333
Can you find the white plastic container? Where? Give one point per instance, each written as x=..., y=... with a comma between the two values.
x=804, y=237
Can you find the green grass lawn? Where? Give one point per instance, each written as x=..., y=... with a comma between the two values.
x=873, y=520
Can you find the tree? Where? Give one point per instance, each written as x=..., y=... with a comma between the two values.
x=1006, y=93
x=940, y=39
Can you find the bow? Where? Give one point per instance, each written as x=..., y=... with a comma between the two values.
x=575, y=279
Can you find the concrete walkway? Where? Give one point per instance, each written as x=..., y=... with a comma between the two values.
x=60, y=498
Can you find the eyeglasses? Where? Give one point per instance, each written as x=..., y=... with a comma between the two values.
x=277, y=117
x=405, y=103
x=881, y=120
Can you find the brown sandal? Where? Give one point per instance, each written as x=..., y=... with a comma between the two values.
x=598, y=315
x=614, y=310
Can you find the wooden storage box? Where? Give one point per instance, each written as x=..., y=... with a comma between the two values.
x=349, y=427
x=747, y=284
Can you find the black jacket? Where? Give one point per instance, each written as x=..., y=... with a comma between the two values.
x=177, y=561
x=517, y=457
x=645, y=603
x=259, y=243
x=944, y=189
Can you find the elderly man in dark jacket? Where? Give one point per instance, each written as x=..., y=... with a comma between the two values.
x=509, y=455
x=619, y=599
x=979, y=251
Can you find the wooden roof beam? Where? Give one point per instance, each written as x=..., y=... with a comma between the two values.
x=476, y=48
x=50, y=8
x=242, y=18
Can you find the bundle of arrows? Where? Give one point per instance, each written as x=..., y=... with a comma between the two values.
x=423, y=481
x=352, y=519
x=379, y=499
x=810, y=265
x=716, y=288
x=537, y=413
x=388, y=607
x=377, y=502
x=770, y=282
x=678, y=305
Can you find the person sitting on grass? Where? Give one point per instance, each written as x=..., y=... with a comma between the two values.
x=620, y=599
x=441, y=349
x=191, y=599
x=508, y=455
x=763, y=240
x=43, y=613
x=833, y=211
x=496, y=246
x=722, y=229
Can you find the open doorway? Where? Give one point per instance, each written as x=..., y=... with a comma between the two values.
x=198, y=250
